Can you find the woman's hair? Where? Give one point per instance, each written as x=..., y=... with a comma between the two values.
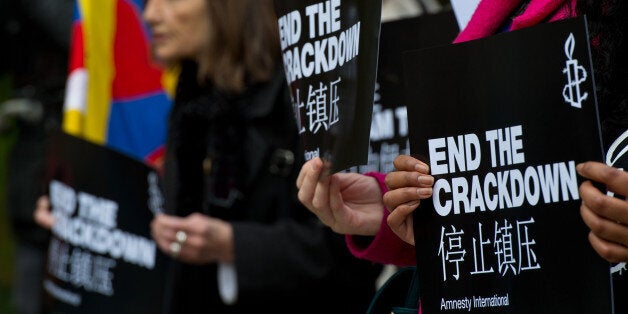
x=608, y=31
x=244, y=43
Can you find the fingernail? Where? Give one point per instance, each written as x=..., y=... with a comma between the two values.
x=579, y=167
x=316, y=166
x=426, y=180
x=424, y=192
x=421, y=168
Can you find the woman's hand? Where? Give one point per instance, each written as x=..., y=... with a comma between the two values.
x=195, y=239
x=407, y=186
x=605, y=215
x=42, y=214
x=349, y=203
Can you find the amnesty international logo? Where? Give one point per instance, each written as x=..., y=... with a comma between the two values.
x=576, y=75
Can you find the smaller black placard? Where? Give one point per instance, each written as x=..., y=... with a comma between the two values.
x=101, y=257
x=329, y=51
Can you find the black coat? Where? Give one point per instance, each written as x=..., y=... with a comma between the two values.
x=236, y=157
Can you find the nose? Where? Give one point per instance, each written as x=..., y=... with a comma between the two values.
x=152, y=11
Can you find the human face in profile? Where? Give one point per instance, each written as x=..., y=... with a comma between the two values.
x=180, y=28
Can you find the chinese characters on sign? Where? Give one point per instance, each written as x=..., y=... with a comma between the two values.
x=509, y=250
x=320, y=108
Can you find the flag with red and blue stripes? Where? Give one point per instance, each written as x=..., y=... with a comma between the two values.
x=117, y=95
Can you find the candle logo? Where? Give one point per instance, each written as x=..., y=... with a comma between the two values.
x=576, y=75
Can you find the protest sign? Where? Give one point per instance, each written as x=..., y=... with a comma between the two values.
x=101, y=257
x=503, y=122
x=617, y=156
x=389, y=124
x=329, y=51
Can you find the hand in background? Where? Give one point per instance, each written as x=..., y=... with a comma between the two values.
x=605, y=215
x=195, y=239
x=42, y=214
x=407, y=186
x=349, y=203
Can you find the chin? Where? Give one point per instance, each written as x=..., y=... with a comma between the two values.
x=164, y=56
x=168, y=54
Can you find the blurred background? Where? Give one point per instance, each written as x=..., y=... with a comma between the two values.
x=34, y=37
x=6, y=239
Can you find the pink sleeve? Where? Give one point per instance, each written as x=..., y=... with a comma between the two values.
x=490, y=15
x=385, y=247
x=486, y=19
x=537, y=12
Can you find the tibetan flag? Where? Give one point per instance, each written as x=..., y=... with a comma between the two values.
x=116, y=94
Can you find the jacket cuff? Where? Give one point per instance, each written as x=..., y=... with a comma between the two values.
x=385, y=247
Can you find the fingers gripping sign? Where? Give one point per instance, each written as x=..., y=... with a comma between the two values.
x=349, y=203
x=605, y=214
x=408, y=185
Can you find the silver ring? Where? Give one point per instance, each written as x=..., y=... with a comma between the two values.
x=175, y=249
x=181, y=236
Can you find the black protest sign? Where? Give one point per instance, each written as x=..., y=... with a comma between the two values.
x=329, y=51
x=617, y=156
x=503, y=122
x=389, y=124
x=101, y=257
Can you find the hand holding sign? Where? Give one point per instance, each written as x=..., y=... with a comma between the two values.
x=349, y=203
x=604, y=214
x=42, y=214
x=407, y=187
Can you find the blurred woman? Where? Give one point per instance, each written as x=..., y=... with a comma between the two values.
x=240, y=239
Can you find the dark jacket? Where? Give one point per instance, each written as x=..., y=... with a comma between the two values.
x=236, y=157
